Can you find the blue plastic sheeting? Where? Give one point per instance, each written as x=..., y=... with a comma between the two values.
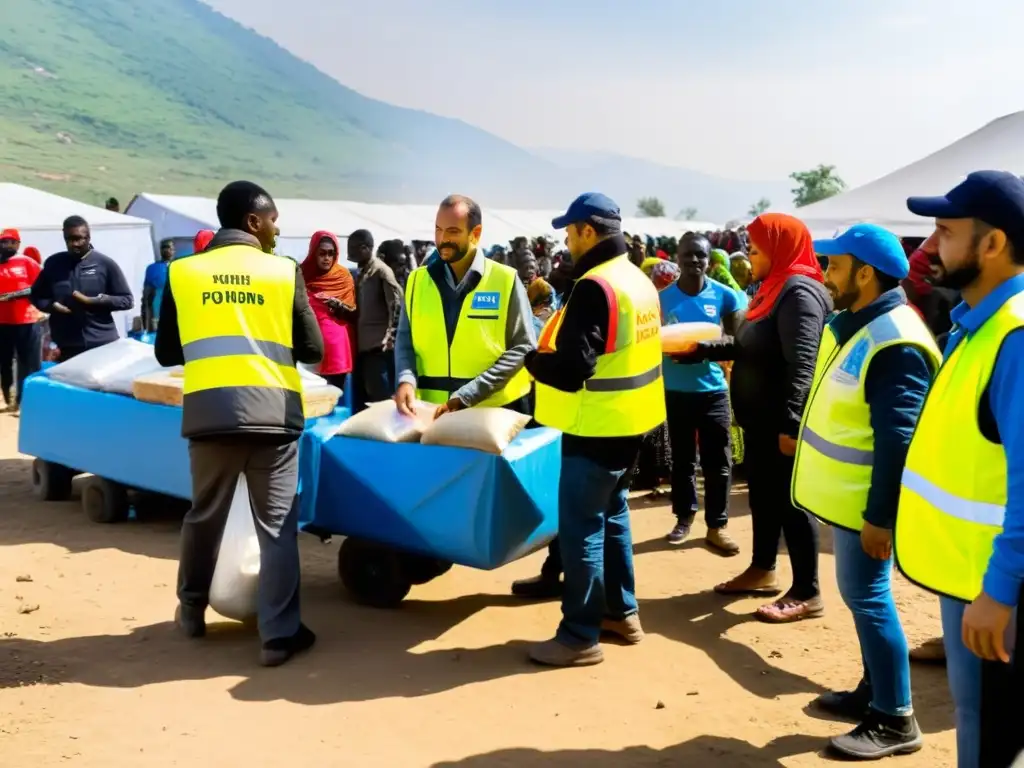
x=132, y=442
x=456, y=504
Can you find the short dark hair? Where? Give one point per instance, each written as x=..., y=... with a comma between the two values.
x=601, y=228
x=362, y=237
x=166, y=241
x=885, y=282
x=982, y=228
x=71, y=222
x=474, y=216
x=240, y=198
x=113, y=201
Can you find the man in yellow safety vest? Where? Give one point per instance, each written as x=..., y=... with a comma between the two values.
x=875, y=364
x=466, y=324
x=598, y=373
x=238, y=318
x=960, y=527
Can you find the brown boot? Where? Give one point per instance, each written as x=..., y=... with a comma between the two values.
x=555, y=654
x=720, y=541
x=628, y=629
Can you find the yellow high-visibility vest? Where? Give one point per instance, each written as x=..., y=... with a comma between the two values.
x=835, y=450
x=626, y=394
x=235, y=320
x=953, y=497
x=479, y=339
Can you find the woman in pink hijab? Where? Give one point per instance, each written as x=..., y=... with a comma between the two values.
x=332, y=296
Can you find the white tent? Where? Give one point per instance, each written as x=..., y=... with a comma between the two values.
x=179, y=218
x=39, y=217
x=997, y=146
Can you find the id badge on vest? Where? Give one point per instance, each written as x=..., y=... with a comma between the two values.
x=485, y=305
x=849, y=371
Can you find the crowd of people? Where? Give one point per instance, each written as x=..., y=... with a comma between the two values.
x=875, y=385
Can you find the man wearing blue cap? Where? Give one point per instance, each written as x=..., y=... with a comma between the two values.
x=598, y=374
x=960, y=527
x=875, y=364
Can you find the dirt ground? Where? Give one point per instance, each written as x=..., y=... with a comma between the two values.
x=95, y=676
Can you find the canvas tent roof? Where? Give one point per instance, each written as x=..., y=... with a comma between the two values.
x=997, y=146
x=39, y=217
x=180, y=218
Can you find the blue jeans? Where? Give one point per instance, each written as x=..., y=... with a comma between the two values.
x=964, y=671
x=597, y=549
x=866, y=587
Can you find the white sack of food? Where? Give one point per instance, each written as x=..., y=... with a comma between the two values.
x=110, y=368
x=677, y=337
x=382, y=422
x=236, y=579
x=483, y=429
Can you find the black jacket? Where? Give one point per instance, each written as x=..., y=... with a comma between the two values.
x=581, y=340
x=775, y=357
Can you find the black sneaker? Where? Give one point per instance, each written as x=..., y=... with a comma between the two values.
x=849, y=705
x=679, y=534
x=538, y=588
x=880, y=736
x=280, y=651
x=191, y=621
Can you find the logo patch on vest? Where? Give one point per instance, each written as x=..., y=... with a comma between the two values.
x=710, y=310
x=486, y=300
x=850, y=370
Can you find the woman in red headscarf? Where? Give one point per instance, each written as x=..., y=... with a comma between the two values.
x=774, y=350
x=332, y=296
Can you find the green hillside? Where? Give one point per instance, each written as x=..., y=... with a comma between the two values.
x=117, y=97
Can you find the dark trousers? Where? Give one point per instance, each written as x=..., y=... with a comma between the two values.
x=19, y=343
x=272, y=474
x=1002, y=738
x=704, y=419
x=374, y=377
x=769, y=474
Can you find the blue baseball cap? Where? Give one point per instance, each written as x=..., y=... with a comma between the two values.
x=871, y=244
x=994, y=197
x=590, y=207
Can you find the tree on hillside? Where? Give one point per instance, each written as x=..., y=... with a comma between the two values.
x=650, y=206
x=687, y=214
x=816, y=184
x=759, y=207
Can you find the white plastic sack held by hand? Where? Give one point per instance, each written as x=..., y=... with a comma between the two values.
x=235, y=585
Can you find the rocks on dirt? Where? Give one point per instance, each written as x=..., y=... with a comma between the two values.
x=26, y=579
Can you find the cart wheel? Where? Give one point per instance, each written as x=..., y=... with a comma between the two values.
x=419, y=569
x=105, y=501
x=373, y=573
x=51, y=482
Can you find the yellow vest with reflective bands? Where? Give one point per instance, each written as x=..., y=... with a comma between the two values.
x=626, y=394
x=835, y=451
x=479, y=339
x=235, y=308
x=953, y=497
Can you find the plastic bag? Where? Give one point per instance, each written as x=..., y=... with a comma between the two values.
x=382, y=422
x=483, y=429
x=110, y=368
x=678, y=337
x=235, y=585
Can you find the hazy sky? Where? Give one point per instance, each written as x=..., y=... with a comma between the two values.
x=749, y=89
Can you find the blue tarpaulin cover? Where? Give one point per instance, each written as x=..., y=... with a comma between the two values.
x=456, y=504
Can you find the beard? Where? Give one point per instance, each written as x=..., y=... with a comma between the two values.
x=960, y=277
x=846, y=299
x=458, y=252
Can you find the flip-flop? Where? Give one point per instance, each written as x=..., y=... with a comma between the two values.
x=725, y=589
x=787, y=610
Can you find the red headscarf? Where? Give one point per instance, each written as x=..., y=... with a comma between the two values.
x=336, y=282
x=202, y=240
x=33, y=253
x=787, y=243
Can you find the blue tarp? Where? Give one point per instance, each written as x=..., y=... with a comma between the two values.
x=459, y=505
x=132, y=442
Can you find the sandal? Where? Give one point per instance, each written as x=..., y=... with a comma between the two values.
x=735, y=587
x=788, y=610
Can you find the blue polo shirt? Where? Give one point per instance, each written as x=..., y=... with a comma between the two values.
x=709, y=306
x=156, y=278
x=1006, y=397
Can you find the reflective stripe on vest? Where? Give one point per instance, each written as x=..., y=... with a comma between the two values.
x=835, y=450
x=235, y=308
x=954, y=484
x=479, y=340
x=626, y=394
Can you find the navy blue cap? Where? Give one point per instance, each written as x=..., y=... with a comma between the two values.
x=590, y=207
x=871, y=244
x=994, y=197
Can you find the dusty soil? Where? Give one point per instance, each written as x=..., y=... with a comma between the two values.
x=96, y=676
